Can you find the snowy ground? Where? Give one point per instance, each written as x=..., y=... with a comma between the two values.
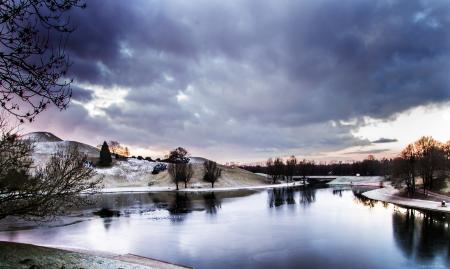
x=389, y=194
x=131, y=169
x=17, y=255
x=135, y=173
x=354, y=180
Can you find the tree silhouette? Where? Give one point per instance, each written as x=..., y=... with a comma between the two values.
x=33, y=63
x=105, y=155
x=212, y=172
x=291, y=164
x=27, y=191
x=179, y=155
x=180, y=172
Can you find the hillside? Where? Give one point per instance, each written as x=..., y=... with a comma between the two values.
x=41, y=137
x=46, y=144
x=138, y=173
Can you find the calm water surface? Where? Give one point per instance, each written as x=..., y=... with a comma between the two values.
x=280, y=228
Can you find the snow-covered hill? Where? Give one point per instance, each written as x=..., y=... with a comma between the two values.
x=45, y=144
x=138, y=173
x=41, y=137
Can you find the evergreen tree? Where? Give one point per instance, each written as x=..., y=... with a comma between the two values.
x=105, y=155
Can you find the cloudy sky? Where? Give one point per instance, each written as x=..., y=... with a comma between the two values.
x=246, y=80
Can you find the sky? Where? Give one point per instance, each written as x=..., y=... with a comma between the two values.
x=247, y=80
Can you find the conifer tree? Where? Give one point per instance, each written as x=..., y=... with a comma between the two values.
x=105, y=155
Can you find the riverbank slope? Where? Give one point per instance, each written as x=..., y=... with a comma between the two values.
x=18, y=255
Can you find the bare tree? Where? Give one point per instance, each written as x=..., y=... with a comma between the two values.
x=430, y=158
x=270, y=168
x=180, y=172
x=408, y=166
x=291, y=164
x=304, y=169
x=33, y=63
x=278, y=169
x=26, y=191
x=114, y=147
x=275, y=168
x=189, y=172
x=212, y=172
x=118, y=149
x=174, y=174
x=446, y=149
x=426, y=158
x=179, y=155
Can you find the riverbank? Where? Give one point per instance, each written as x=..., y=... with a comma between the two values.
x=173, y=189
x=18, y=255
x=390, y=194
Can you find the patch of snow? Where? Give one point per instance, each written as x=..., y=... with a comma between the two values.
x=130, y=169
x=196, y=160
x=48, y=147
x=52, y=147
x=41, y=137
x=355, y=180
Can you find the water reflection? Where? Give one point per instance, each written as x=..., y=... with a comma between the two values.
x=361, y=199
x=286, y=196
x=307, y=195
x=212, y=203
x=280, y=196
x=422, y=235
x=107, y=216
x=180, y=206
x=182, y=227
x=338, y=192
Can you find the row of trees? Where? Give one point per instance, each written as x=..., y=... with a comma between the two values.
x=280, y=168
x=180, y=169
x=427, y=159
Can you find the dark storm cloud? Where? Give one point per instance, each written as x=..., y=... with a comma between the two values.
x=384, y=140
x=81, y=94
x=261, y=74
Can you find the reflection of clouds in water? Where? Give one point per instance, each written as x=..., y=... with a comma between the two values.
x=236, y=224
x=101, y=237
x=174, y=206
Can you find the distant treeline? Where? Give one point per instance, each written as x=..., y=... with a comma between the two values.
x=426, y=159
x=368, y=167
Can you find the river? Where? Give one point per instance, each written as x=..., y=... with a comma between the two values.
x=299, y=227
